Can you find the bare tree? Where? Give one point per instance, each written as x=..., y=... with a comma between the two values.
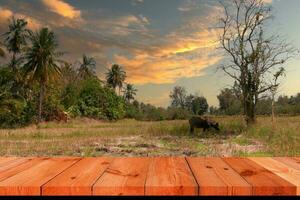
x=253, y=55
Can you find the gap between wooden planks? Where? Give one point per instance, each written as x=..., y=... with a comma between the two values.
x=149, y=176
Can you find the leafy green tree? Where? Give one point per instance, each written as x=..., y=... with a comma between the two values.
x=68, y=74
x=42, y=61
x=199, y=105
x=213, y=110
x=99, y=102
x=115, y=77
x=178, y=97
x=87, y=67
x=16, y=40
x=129, y=92
x=229, y=103
x=196, y=104
x=11, y=104
x=69, y=85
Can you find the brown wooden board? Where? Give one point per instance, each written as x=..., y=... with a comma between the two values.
x=78, y=179
x=5, y=160
x=6, y=173
x=215, y=177
x=29, y=181
x=284, y=171
x=170, y=176
x=125, y=176
x=297, y=159
x=289, y=161
x=149, y=176
x=263, y=181
x=13, y=163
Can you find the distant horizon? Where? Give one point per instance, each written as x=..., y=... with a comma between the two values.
x=160, y=44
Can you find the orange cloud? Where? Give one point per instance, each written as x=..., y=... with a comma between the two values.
x=62, y=8
x=181, y=53
x=267, y=1
x=6, y=14
x=148, y=69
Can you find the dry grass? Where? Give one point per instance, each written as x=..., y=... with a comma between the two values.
x=85, y=137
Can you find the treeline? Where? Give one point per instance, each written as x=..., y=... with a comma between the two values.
x=36, y=84
x=230, y=104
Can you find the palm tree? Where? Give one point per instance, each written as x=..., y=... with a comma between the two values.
x=115, y=77
x=41, y=61
x=87, y=67
x=16, y=39
x=68, y=74
x=129, y=92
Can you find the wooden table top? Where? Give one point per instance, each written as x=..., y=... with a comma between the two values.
x=149, y=176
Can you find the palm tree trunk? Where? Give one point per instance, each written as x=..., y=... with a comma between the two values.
x=42, y=90
x=14, y=63
x=119, y=91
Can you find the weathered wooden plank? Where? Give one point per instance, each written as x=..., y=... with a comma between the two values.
x=170, y=176
x=125, y=176
x=78, y=179
x=263, y=181
x=215, y=177
x=289, y=161
x=284, y=171
x=29, y=182
x=6, y=173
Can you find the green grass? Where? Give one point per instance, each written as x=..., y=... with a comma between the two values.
x=86, y=137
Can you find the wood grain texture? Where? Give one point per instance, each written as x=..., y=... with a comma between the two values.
x=125, y=176
x=284, y=171
x=289, y=161
x=297, y=159
x=170, y=176
x=78, y=179
x=150, y=176
x=13, y=163
x=263, y=181
x=6, y=173
x=215, y=177
x=29, y=181
x=5, y=160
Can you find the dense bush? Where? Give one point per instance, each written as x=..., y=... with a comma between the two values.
x=95, y=101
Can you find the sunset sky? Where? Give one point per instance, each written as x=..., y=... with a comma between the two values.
x=160, y=43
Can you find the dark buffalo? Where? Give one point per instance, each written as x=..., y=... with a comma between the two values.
x=198, y=122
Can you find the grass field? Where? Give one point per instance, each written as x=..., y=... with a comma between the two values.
x=86, y=137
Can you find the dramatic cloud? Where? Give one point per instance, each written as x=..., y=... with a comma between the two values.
x=6, y=14
x=62, y=8
x=125, y=25
x=184, y=52
x=268, y=1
